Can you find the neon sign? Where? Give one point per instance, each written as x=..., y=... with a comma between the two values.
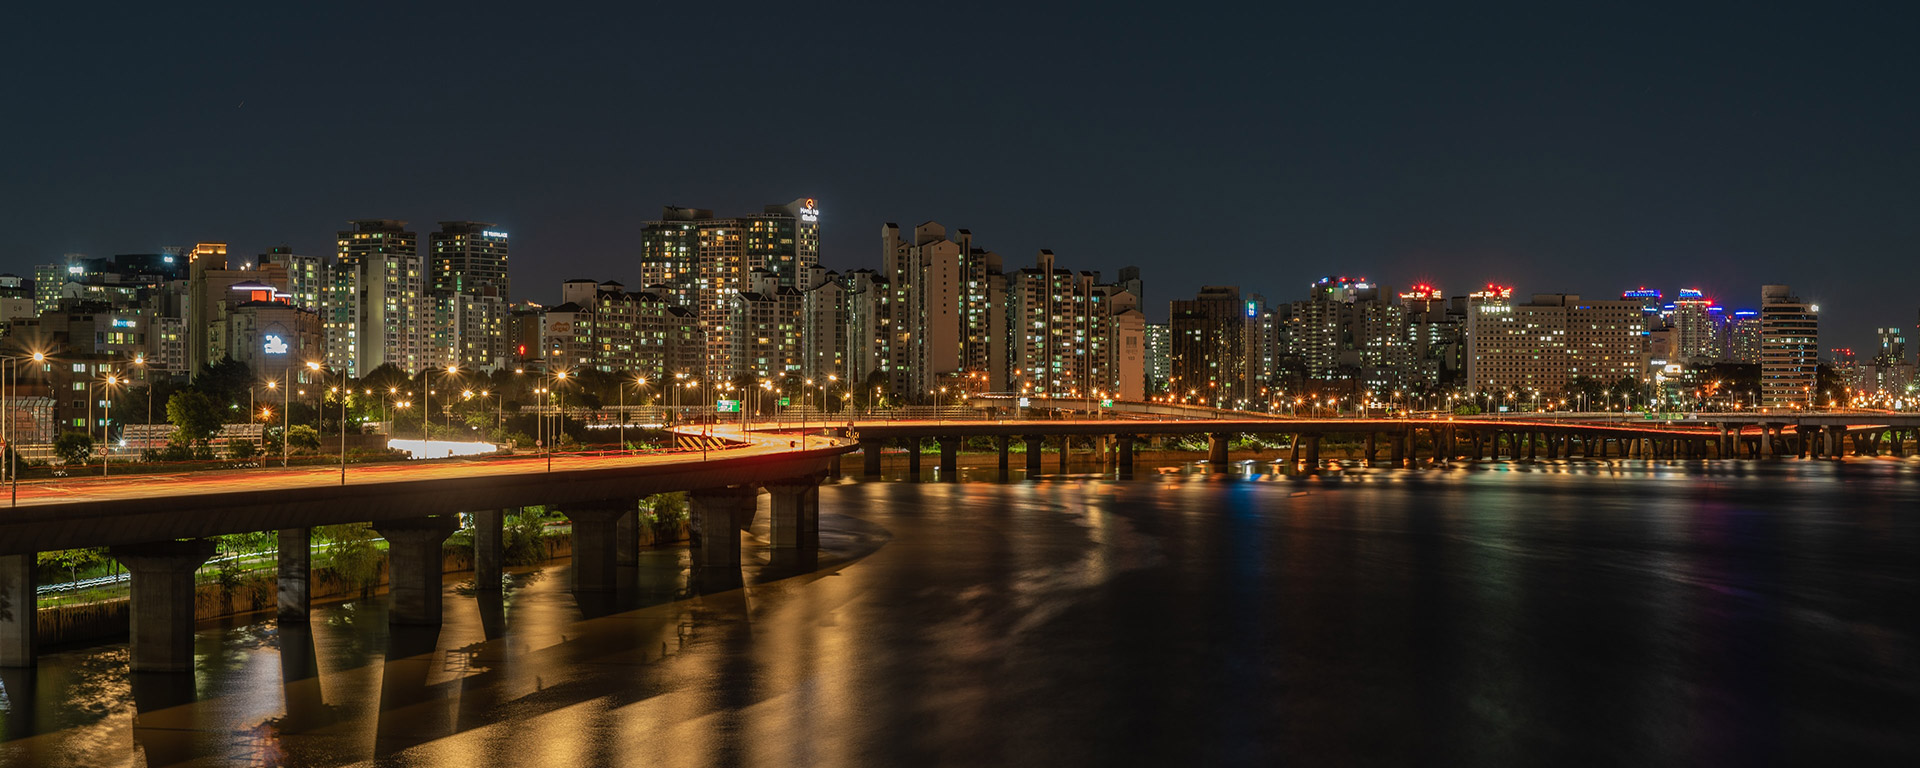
x=491, y=233
x=808, y=211
x=275, y=345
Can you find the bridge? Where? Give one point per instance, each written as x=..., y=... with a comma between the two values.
x=159, y=527
x=1402, y=440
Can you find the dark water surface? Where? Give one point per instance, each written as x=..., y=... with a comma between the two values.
x=1738, y=614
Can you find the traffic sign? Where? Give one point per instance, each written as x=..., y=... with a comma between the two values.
x=727, y=406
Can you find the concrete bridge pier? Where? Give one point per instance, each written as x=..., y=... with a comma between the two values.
x=1002, y=445
x=19, y=625
x=913, y=459
x=414, y=564
x=1066, y=449
x=1479, y=451
x=718, y=515
x=1123, y=453
x=489, y=550
x=295, y=560
x=870, y=452
x=1035, y=444
x=949, y=459
x=595, y=543
x=1371, y=450
x=1533, y=446
x=160, y=602
x=1397, y=449
x=833, y=465
x=794, y=513
x=626, y=537
x=1217, y=451
x=1313, y=453
x=1899, y=443
x=1293, y=451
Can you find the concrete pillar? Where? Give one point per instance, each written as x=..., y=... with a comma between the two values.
x=160, y=602
x=1066, y=449
x=489, y=550
x=913, y=458
x=595, y=564
x=626, y=537
x=1123, y=455
x=1217, y=452
x=1293, y=451
x=717, y=515
x=1899, y=443
x=949, y=459
x=1002, y=445
x=794, y=520
x=1397, y=448
x=1313, y=452
x=833, y=465
x=871, y=455
x=1532, y=446
x=414, y=563
x=1370, y=449
x=19, y=603
x=295, y=558
x=1035, y=444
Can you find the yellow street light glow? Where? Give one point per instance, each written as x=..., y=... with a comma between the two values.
x=312, y=366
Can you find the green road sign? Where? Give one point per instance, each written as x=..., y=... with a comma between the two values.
x=786, y=401
x=727, y=406
x=1106, y=403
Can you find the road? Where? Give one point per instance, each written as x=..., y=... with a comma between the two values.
x=270, y=478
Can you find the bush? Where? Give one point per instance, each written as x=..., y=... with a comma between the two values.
x=524, y=537
x=303, y=437
x=242, y=449
x=73, y=447
x=352, y=554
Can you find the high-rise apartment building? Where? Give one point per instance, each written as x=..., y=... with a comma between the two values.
x=302, y=277
x=1208, y=358
x=1693, y=328
x=467, y=256
x=706, y=262
x=1542, y=345
x=1158, y=339
x=1743, y=337
x=951, y=291
x=377, y=311
x=1789, y=349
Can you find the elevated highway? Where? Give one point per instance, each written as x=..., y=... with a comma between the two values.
x=160, y=526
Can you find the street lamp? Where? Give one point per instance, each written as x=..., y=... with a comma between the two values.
x=106, y=424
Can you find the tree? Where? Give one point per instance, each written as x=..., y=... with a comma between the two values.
x=73, y=447
x=303, y=437
x=195, y=417
x=242, y=449
x=226, y=383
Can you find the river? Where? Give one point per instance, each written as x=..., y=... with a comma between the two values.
x=1734, y=613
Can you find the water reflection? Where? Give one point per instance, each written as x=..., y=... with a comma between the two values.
x=1515, y=613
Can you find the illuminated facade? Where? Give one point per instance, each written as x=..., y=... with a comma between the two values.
x=1208, y=348
x=376, y=308
x=1789, y=349
x=1542, y=345
x=703, y=262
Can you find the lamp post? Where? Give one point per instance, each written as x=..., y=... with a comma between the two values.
x=560, y=425
x=13, y=455
x=106, y=423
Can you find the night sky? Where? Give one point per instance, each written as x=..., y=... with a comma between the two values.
x=1557, y=148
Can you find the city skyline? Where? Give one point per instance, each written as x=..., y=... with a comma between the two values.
x=1558, y=150
x=540, y=286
